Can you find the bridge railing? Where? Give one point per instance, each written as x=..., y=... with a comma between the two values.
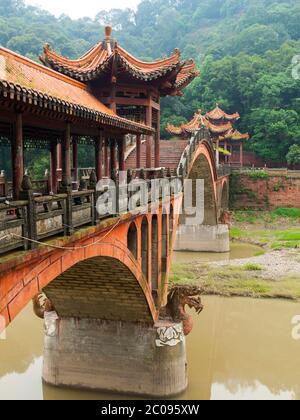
x=198, y=136
x=224, y=170
x=24, y=223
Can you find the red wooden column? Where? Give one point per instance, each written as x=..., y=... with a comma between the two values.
x=121, y=144
x=75, y=158
x=113, y=161
x=66, y=155
x=226, y=148
x=149, y=138
x=157, y=142
x=218, y=153
x=98, y=156
x=241, y=154
x=17, y=156
x=59, y=156
x=54, y=163
x=106, y=159
x=138, y=151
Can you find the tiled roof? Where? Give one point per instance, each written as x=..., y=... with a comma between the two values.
x=236, y=135
x=218, y=129
x=23, y=79
x=224, y=129
x=100, y=59
x=219, y=114
x=189, y=128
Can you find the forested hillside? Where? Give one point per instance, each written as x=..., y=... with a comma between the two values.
x=244, y=49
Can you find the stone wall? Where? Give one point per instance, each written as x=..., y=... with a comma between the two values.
x=277, y=189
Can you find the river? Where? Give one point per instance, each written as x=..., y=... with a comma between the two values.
x=240, y=348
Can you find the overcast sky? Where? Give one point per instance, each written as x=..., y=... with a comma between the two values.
x=77, y=9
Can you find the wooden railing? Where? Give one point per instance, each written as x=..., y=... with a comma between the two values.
x=35, y=218
x=224, y=170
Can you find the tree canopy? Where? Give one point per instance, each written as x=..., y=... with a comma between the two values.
x=244, y=49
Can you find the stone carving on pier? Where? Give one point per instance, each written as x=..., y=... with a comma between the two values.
x=179, y=297
x=170, y=335
x=41, y=305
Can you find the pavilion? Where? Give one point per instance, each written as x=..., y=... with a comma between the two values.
x=96, y=100
x=227, y=140
x=128, y=86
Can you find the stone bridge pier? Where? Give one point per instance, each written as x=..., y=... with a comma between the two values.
x=211, y=234
x=108, y=335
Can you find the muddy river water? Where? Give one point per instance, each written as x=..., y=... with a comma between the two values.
x=239, y=349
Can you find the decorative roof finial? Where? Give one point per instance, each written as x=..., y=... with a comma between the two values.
x=108, y=32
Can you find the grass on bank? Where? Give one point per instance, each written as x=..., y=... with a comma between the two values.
x=277, y=215
x=274, y=230
x=235, y=281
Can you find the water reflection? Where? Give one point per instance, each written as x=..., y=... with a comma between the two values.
x=239, y=349
x=237, y=251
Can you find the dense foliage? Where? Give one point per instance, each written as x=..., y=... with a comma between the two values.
x=244, y=49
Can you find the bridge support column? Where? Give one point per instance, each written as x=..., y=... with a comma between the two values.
x=114, y=356
x=203, y=238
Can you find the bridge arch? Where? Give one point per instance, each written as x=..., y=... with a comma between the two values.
x=99, y=288
x=154, y=252
x=165, y=243
x=18, y=287
x=145, y=247
x=224, y=197
x=132, y=240
x=203, y=167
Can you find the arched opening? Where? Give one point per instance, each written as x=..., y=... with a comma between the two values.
x=202, y=171
x=165, y=248
x=145, y=249
x=171, y=225
x=225, y=197
x=99, y=288
x=154, y=274
x=132, y=240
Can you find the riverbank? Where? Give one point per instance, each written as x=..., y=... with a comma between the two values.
x=274, y=272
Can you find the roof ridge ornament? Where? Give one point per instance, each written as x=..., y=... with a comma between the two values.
x=108, y=32
x=47, y=47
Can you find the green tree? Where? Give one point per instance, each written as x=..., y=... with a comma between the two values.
x=293, y=156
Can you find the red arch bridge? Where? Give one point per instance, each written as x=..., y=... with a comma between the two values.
x=110, y=320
